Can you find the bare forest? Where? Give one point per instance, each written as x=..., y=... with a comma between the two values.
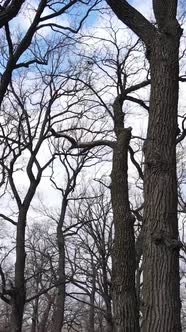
x=92, y=166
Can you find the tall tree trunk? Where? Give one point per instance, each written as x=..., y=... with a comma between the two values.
x=123, y=256
x=35, y=315
x=161, y=310
x=58, y=315
x=107, y=296
x=108, y=314
x=92, y=299
x=19, y=292
x=161, y=301
x=42, y=326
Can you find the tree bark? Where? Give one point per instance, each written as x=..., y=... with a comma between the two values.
x=9, y=12
x=123, y=256
x=106, y=294
x=161, y=301
x=107, y=297
x=35, y=314
x=58, y=315
x=161, y=310
x=19, y=292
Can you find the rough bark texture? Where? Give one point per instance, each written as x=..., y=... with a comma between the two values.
x=164, y=11
x=161, y=311
x=123, y=256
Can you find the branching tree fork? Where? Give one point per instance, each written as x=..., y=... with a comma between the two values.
x=17, y=47
x=23, y=133
x=124, y=297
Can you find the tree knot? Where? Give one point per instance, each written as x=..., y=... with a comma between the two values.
x=161, y=238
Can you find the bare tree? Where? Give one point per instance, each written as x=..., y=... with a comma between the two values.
x=72, y=166
x=17, y=50
x=23, y=136
x=39, y=276
x=161, y=301
x=123, y=256
x=91, y=261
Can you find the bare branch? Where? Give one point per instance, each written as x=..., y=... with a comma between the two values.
x=134, y=20
x=135, y=163
x=137, y=86
x=8, y=219
x=82, y=145
x=137, y=101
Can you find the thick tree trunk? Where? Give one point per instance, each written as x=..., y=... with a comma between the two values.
x=161, y=304
x=19, y=292
x=123, y=256
x=161, y=310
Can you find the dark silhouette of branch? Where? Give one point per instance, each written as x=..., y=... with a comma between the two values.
x=8, y=219
x=135, y=163
x=133, y=19
x=9, y=11
x=82, y=145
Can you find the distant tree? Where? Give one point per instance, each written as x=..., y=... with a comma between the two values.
x=91, y=261
x=71, y=166
x=24, y=133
